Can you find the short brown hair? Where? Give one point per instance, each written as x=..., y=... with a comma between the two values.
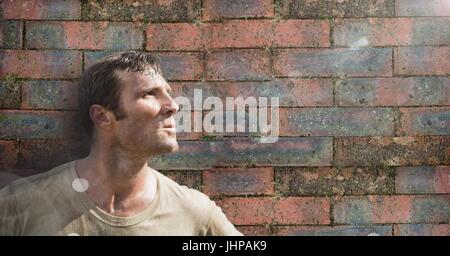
x=100, y=84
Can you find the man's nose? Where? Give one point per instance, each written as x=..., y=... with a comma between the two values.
x=170, y=107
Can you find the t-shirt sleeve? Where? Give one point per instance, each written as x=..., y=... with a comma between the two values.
x=219, y=225
x=9, y=215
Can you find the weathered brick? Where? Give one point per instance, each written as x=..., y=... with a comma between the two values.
x=425, y=121
x=391, y=209
x=392, y=151
x=254, y=230
x=333, y=62
x=246, y=64
x=265, y=33
x=392, y=32
x=336, y=121
x=83, y=35
x=398, y=91
x=37, y=124
x=46, y=154
x=191, y=133
x=9, y=151
x=43, y=94
x=181, y=65
x=218, y=9
x=288, y=210
x=10, y=93
x=245, y=152
x=10, y=34
x=91, y=58
x=291, y=92
x=191, y=179
x=328, y=181
x=174, y=65
x=41, y=9
x=423, y=180
x=178, y=36
x=238, y=181
x=422, y=60
x=422, y=230
x=334, y=8
x=301, y=33
x=40, y=64
x=422, y=8
x=238, y=34
x=118, y=10
x=373, y=230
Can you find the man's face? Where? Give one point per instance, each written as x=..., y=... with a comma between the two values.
x=149, y=126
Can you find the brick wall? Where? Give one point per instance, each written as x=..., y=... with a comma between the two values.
x=364, y=88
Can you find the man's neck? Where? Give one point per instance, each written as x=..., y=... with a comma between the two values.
x=120, y=183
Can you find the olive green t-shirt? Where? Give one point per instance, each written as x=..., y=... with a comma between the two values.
x=48, y=204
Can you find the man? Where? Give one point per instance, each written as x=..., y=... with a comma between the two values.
x=128, y=116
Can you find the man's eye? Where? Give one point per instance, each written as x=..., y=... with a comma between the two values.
x=150, y=93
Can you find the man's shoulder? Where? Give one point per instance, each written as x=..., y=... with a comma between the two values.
x=45, y=182
x=185, y=196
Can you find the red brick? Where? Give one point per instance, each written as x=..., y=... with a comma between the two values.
x=291, y=92
x=422, y=230
x=10, y=34
x=395, y=32
x=251, y=64
x=335, y=8
x=83, y=35
x=325, y=181
x=391, y=209
x=178, y=36
x=37, y=124
x=254, y=230
x=46, y=154
x=40, y=64
x=425, y=121
x=181, y=65
x=423, y=180
x=372, y=230
x=218, y=9
x=191, y=179
x=43, y=94
x=194, y=155
x=174, y=65
x=238, y=34
x=8, y=154
x=398, y=91
x=302, y=33
x=191, y=133
x=422, y=8
x=422, y=61
x=265, y=33
x=144, y=10
x=333, y=62
x=235, y=181
x=41, y=9
x=392, y=151
x=289, y=210
x=336, y=122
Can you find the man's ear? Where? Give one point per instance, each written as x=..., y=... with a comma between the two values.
x=101, y=117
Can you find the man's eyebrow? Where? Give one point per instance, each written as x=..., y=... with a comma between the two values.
x=149, y=88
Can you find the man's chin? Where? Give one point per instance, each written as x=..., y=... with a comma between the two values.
x=169, y=146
